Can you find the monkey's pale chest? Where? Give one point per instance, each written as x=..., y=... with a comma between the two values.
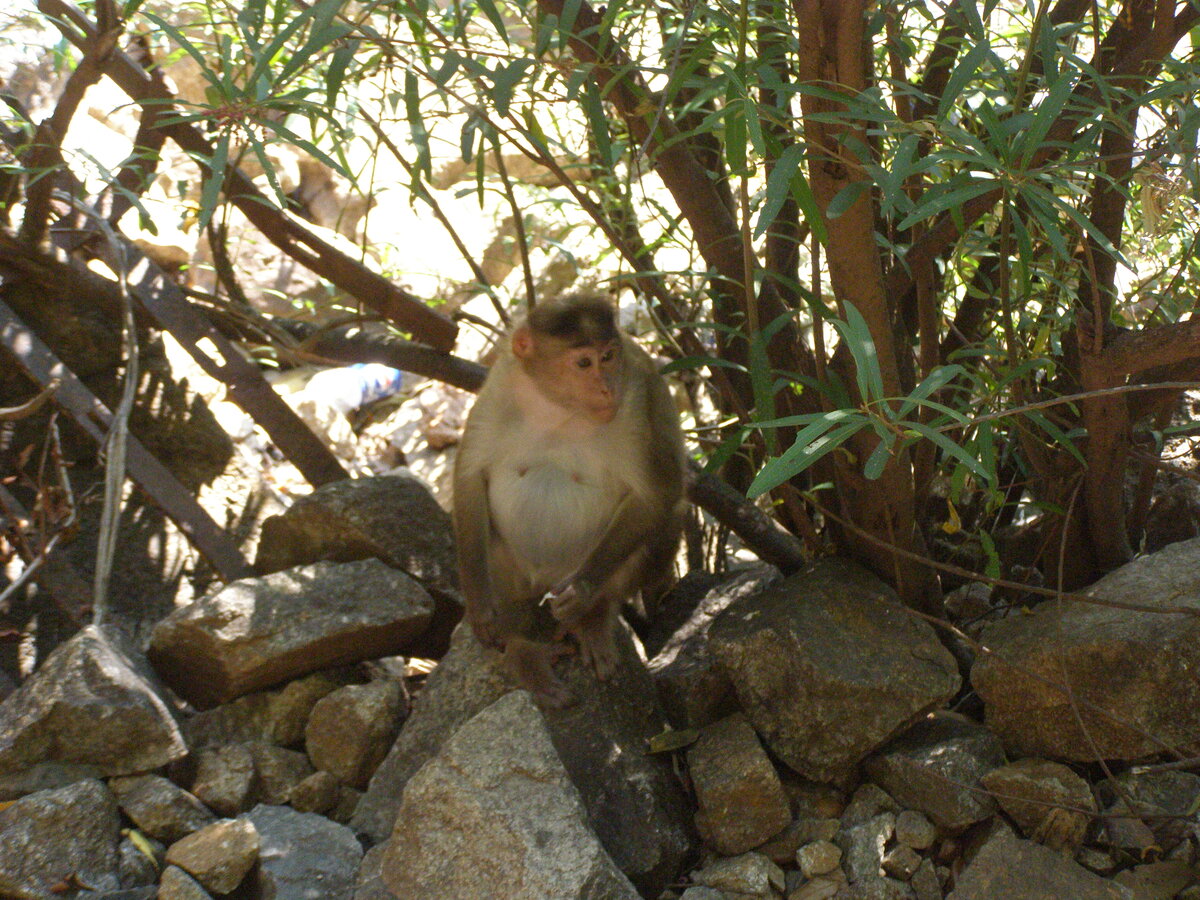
x=551, y=505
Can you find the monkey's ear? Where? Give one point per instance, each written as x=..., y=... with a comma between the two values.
x=523, y=342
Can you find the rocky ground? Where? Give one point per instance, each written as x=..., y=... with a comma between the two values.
x=289, y=736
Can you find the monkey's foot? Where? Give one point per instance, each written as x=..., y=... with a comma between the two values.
x=530, y=663
x=599, y=652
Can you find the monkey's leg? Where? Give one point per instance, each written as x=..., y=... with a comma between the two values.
x=530, y=663
x=594, y=633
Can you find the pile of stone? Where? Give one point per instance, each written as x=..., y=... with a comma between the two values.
x=799, y=738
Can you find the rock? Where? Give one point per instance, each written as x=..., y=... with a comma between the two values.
x=278, y=772
x=935, y=768
x=278, y=717
x=1009, y=868
x=914, y=830
x=88, y=704
x=869, y=801
x=1131, y=673
x=369, y=883
x=52, y=836
x=878, y=887
x=318, y=793
x=139, y=863
x=498, y=802
x=159, y=808
x=693, y=688
x=463, y=684
x=302, y=855
x=829, y=667
x=924, y=882
x=901, y=862
x=1047, y=801
x=258, y=632
x=393, y=518
x=226, y=779
x=1157, y=881
x=863, y=846
x=218, y=856
x=347, y=803
x=177, y=884
x=818, y=858
x=782, y=848
x=750, y=874
x=824, y=888
x=740, y=799
x=351, y=730
x=43, y=776
x=698, y=892
x=634, y=800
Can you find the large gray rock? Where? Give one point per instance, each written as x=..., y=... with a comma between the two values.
x=1008, y=868
x=463, y=684
x=829, y=666
x=693, y=688
x=496, y=815
x=259, y=632
x=89, y=704
x=1132, y=674
x=935, y=767
x=393, y=518
x=52, y=836
x=303, y=856
x=634, y=801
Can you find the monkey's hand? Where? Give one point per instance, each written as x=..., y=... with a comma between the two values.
x=485, y=624
x=572, y=601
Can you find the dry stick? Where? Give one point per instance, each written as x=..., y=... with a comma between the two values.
x=518, y=223
x=30, y=406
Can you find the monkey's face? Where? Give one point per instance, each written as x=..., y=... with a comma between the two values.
x=588, y=378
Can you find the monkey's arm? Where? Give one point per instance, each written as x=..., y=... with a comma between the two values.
x=472, y=524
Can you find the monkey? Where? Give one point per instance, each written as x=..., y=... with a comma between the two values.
x=568, y=492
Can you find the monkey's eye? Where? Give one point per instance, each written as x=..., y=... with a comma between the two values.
x=584, y=362
x=609, y=355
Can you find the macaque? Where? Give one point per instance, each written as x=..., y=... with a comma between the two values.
x=568, y=492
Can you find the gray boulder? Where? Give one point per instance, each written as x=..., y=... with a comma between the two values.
x=351, y=730
x=935, y=767
x=89, y=704
x=828, y=666
x=1132, y=674
x=495, y=815
x=303, y=856
x=1008, y=868
x=258, y=632
x=50, y=837
x=393, y=518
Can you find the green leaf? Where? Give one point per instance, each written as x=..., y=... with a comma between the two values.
x=488, y=7
x=950, y=448
x=811, y=444
x=944, y=197
x=597, y=121
x=966, y=69
x=857, y=335
x=879, y=457
x=934, y=381
x=211, y=194
x=845, y=198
